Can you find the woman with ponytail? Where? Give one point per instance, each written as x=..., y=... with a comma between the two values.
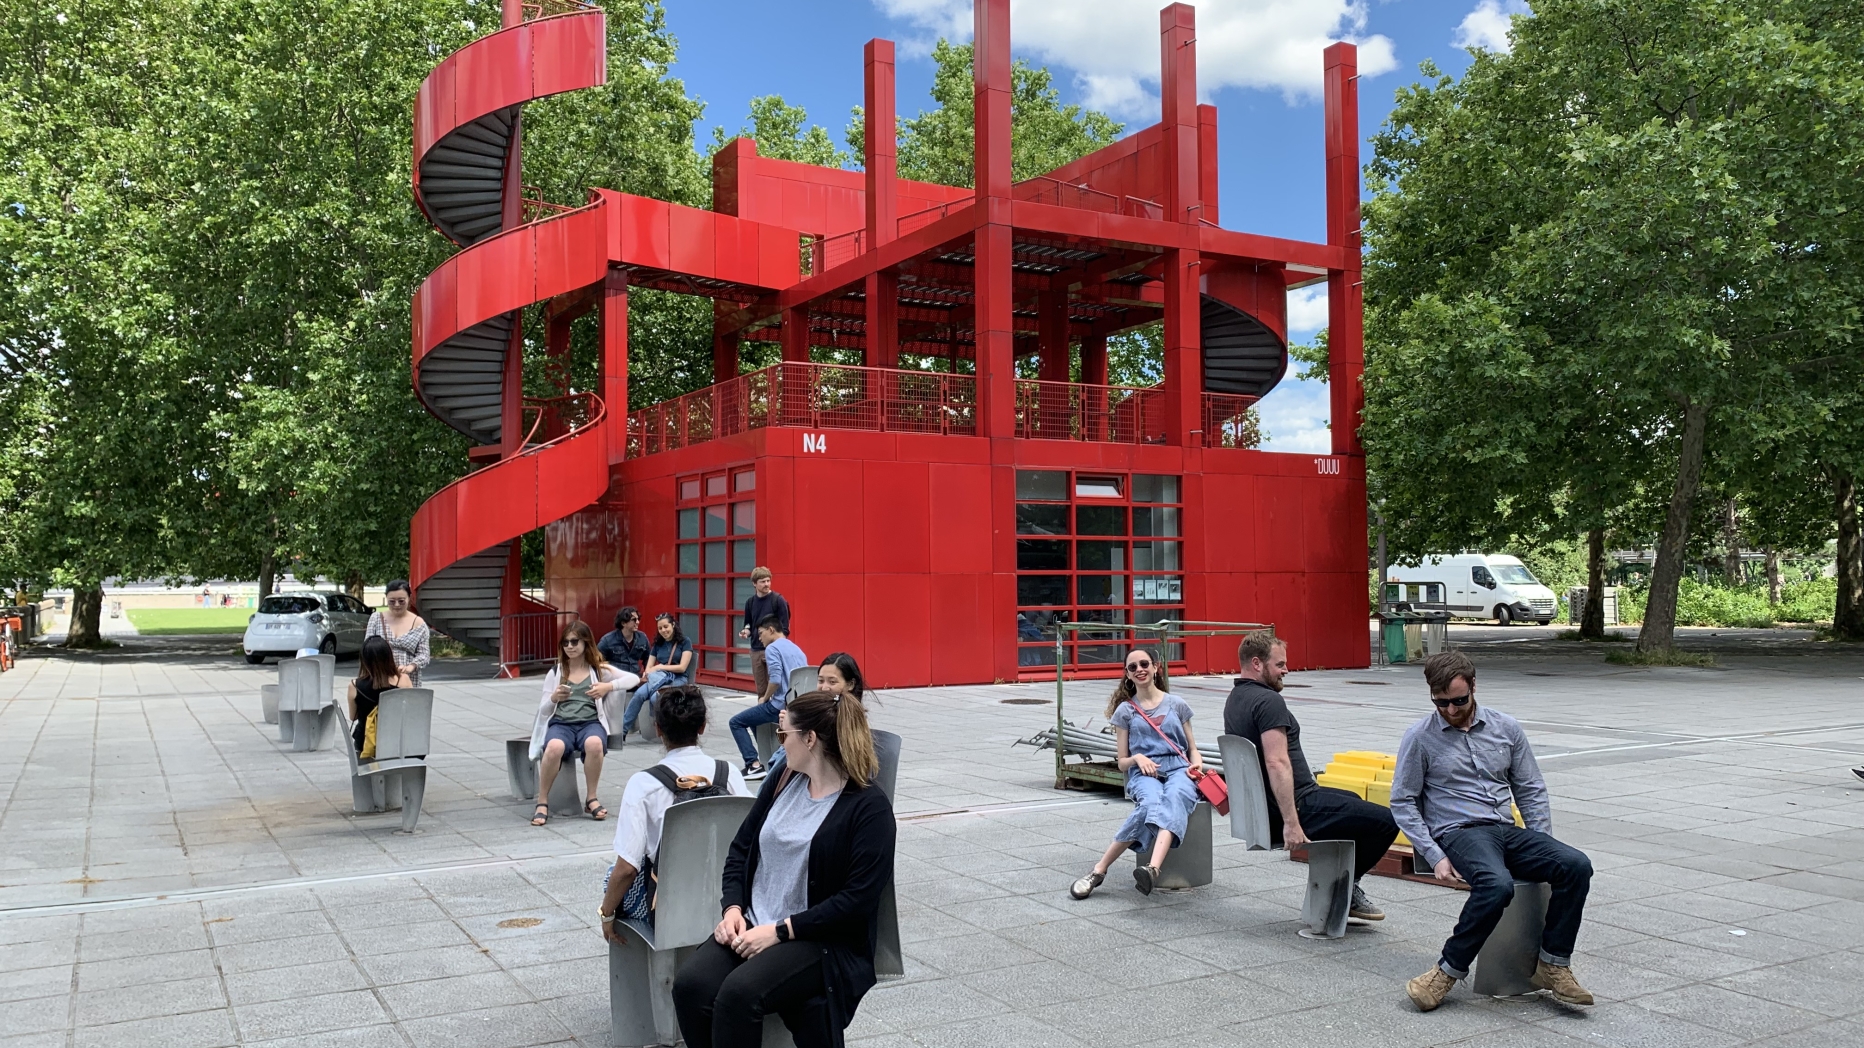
x=1152, y=733
x=802, y=890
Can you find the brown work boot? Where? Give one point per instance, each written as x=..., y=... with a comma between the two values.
x=1557, y=979
x=1429, y=989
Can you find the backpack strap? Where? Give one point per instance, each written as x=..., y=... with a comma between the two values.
x=664, y=775
x=724, y=777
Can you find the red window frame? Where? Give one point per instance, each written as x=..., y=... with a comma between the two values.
x=716, y=547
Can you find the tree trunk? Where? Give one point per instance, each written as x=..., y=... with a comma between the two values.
x=87, y=605
x=1731, y=544
x=1659, y=630
x=1592, y=620
x=352, y=584
x=268, y=573
x=1848, y=616
x=1773, y=575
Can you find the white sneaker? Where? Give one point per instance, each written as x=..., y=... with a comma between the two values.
x=754, y=771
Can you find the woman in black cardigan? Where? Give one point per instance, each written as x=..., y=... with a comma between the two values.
x=802, y=894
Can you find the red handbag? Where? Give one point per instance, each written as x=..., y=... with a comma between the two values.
x=1210, y=785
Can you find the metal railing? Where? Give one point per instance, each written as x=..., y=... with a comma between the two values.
x=530, y=637
x=535, y=9
x=1230, y=421
x=1045, y=190
x=810, y=396
x=551, y=417
x=1077, y=411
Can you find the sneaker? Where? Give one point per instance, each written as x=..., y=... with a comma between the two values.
x=1557, y=979
x=1084, y=887
x=754, y=771
x=1362, y=907
x=1859, y=772
x=1143, y=879
x=1429, y=989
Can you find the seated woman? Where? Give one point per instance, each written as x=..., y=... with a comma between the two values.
x=669, y=661
x=802, y=891
x=376, y=673
x=680, y=718
x=574, y=717
x=1152, y=732
x=839, y=674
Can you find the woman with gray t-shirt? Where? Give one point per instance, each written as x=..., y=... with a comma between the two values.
x=802, y=888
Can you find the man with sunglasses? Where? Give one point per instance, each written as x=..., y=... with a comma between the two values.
x=1461, y=772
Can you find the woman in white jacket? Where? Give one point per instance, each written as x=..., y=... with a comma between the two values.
x=575, y=716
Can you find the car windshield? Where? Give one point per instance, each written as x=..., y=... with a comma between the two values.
x=287, y=605
x=1515, y=575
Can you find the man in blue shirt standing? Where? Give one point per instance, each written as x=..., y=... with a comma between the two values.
x=781, y=657
x=1461, y=772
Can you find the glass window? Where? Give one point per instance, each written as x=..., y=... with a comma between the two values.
x=743, y=518
x=689, y=558
x=715, y=594
x=744, y=480
x=1156, y=520
x=689, y=489
x=1048, y=485
x=741, y=664
x=715, y=520
x=1156, y=556
x=1100, y=520
x=689, y=523
x=1102, y=589
x=1158, y=589
x=715, y=558
x=1039, y=590
x=689, y=593
x=1041, y=555
x=1100, y=556
x=1516, y=575
x=1034, y=518
x=715, y=632
x=743, y=555
x=714, y=660
x=1097, y=487
x=1153, y=487
x=715, y=485
x=741, y=591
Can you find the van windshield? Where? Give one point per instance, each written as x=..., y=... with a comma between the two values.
x=1515, y=575
x=287, y=605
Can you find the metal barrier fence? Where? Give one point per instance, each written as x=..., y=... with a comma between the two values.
x=1075, y=411
x=531, y=637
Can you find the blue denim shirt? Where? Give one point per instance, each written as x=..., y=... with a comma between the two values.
x=1447, y=779
x=782, y=658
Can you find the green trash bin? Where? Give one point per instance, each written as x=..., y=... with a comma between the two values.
x=1393, y=636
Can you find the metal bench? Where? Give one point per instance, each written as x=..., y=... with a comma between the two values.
x=694, y=840
x=1329, y=863
x=802, y=681
x=521, y=777
x=306, y=712
x=394, y=777
x=1189, y=864
x=1507, y=960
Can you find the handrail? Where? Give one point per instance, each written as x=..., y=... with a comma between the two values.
x=546, y=408
x=1085, y=412
x=535, y=9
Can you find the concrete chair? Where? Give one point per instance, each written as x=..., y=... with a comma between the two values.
x=394, y=776
x=1329, y=863
x=268, y=703
x=306, y=716
x=694, y=840
x=1507, y=960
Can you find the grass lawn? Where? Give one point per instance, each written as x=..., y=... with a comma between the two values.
x=175, y=622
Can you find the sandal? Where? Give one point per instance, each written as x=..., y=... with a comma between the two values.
x=541, y=816
x=1084, y=887
x=595, y=810
x=1144, y=878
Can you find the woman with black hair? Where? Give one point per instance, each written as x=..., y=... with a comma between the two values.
x=669, y=661
x=680, y=718
x=376, y=673
x=406, y=633
x=802, y=890
x=839, y=674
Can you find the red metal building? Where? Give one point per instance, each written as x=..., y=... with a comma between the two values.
x=926, y=510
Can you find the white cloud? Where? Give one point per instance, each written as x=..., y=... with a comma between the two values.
x=1307, y=311
x=1112, y=46
x=1486, y=27
x=1294, y=417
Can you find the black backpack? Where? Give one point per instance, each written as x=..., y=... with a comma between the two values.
x=639, y=900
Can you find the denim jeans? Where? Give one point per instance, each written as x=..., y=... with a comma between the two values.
x=1328, y=814
x=648, y=688
x=1491, y=858
x=744, y=721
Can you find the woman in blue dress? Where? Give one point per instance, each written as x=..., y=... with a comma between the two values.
x=1152, y=729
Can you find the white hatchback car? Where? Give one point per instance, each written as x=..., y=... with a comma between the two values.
x=288, y=622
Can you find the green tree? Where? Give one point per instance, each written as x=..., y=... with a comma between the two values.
x=783, y=132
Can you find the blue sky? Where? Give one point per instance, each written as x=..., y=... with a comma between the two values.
x=1259, y=63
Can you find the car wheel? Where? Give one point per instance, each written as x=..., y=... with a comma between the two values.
x=329, y=646
x=1503, y=617
x=1543, y=622
x=255, y=658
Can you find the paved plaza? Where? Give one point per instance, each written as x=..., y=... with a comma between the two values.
x=171, y=875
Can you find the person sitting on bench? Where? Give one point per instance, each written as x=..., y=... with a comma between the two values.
x=1461, y=771
x=1303, y=810
x=802, y=889
x=1152, y=734
x=685, y=773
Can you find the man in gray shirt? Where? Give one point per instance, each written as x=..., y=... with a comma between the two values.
x=1461, y=771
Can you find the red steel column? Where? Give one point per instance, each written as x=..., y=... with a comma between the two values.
x=511, y=405
x=615, y=361
x=883, y=315
x=996, y=340
x=1345, y=301
x=1184, y=380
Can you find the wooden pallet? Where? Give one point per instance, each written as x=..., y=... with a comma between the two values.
x=1396, y=862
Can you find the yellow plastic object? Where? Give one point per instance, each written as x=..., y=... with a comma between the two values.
x=1402, y=839
x=1517, y=816
x=1351, y=771
x=1353, y=786
x=1380, y=793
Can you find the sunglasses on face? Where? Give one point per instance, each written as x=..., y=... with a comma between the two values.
x=783, y=734
x=1142, y=664
x=1444, y=704
x=572, y=640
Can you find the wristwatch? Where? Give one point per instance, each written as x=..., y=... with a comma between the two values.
x=607, y=918
x=783, y=932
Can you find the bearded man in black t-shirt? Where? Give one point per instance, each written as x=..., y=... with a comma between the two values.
x=1302, y=809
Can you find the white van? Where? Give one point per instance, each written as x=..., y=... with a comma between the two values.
x=1483, y=586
